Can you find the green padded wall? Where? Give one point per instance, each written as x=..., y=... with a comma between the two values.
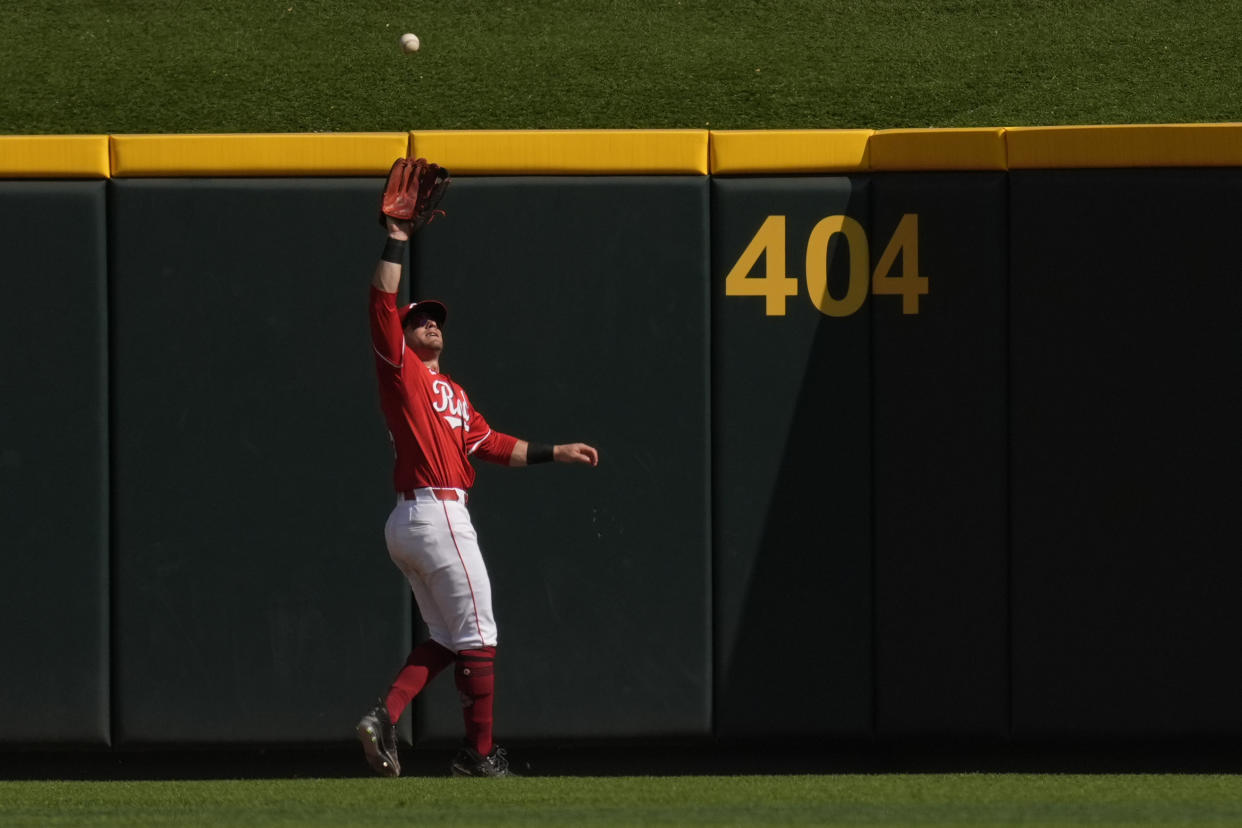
x=792, y=461
x=255, y=602
x=54, y=634
x=940, y=399
x=1007, y=514
x=578, y=312
x=1126, y=403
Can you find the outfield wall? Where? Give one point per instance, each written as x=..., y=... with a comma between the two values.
x=903, y=433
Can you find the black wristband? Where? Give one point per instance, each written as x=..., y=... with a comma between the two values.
x=394, y=250
x=538, y=453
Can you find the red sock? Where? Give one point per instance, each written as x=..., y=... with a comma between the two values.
x=476, y=683
x=422, y=665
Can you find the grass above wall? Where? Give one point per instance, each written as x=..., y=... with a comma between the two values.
x=79, y=66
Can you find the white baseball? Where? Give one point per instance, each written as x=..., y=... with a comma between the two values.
x=409, y=42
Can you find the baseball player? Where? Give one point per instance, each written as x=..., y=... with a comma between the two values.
x=436, y=432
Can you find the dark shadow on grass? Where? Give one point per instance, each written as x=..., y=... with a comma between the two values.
x=647, y=759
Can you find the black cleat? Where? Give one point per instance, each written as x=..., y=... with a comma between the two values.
x=468, y=762
x=378, y=736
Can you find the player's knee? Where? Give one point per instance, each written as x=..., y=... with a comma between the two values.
x=474, y=671
x=476, y=661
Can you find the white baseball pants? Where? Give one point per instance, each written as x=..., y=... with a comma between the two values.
x=433, y=542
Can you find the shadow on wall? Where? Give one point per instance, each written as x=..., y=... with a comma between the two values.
x=792, y=470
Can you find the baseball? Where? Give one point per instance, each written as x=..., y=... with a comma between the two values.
x=409, y=42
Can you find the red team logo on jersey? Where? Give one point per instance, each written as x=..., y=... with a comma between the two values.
x=458, y=411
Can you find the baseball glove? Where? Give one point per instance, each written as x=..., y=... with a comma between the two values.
x=414, y=188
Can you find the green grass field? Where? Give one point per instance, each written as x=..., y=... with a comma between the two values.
x=90, y=66
x=944, y=800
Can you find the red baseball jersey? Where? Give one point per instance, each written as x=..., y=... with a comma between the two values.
x=434, y=428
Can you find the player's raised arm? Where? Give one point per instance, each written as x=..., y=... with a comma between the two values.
x=410, y=200
x=387, y=338
x=388, y=270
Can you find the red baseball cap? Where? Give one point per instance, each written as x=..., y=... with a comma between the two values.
x=431, y=307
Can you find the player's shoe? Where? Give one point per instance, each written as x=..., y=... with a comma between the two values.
x=378, y=736
x=468, y=762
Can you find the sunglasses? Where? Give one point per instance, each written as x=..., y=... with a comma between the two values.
x=419, y=320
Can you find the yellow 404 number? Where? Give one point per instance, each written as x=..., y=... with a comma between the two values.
x=776, y=287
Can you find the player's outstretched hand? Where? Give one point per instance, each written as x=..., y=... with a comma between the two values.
x=575, y=453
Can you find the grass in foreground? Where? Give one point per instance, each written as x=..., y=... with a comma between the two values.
x=875, y=800
x=86, y=66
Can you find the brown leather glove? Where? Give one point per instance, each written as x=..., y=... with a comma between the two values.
x=413, y=191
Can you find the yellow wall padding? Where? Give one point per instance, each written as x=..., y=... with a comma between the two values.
x=340, y=153
x=1138, y=145
x=789, y=151
x=560, y=152
x=939, y=149
x=622, y=152
x=54, y=156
